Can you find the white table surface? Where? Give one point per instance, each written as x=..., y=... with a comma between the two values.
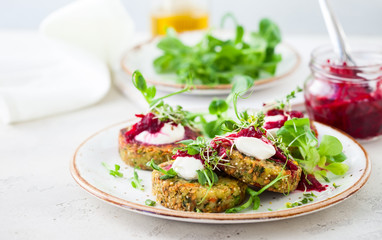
x=40, y=200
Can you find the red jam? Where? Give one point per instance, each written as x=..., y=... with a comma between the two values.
x=148, y=123
x=310, y=183
x=221, y=144
x=345, y=99
x=180, y=153
x=280, y=123
x=152, y=124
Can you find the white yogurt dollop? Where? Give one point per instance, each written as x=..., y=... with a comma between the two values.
x=186, y=167
x=274, y=118
x=169, y=133
x=254, y=147
x=272, y=132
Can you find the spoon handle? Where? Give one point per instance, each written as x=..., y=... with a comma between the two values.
x=336, y=33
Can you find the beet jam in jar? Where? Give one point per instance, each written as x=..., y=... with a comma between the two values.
x=346, y=97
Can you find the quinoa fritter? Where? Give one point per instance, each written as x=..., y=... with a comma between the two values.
x=180, y=194
x=261, y=172
x=138, y=154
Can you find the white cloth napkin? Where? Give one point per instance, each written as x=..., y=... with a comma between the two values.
x=41, y=77
x=65, y=67
x=102, y=27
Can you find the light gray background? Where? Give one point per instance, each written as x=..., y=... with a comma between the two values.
x=359, y=17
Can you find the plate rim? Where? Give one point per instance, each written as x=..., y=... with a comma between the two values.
x=220, y=217
x=205, y=87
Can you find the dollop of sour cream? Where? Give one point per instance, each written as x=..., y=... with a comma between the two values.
x=169, y=133
x=186, y=167
x=272, y=132
x=254, y=147
x=275, y=118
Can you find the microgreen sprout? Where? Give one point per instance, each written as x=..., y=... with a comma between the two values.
x=308, y=197
x=167, y=173
x=150, y=92
x=136, y=182
x=203, y=147
x=285, y=103
x=113, y=172
x=254, y=199
x=207, y=176
x=150, y=202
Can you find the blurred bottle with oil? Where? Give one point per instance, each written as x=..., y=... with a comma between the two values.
x=182, y=15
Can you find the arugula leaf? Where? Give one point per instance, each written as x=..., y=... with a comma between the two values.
x=115, y=172
x=167, y=174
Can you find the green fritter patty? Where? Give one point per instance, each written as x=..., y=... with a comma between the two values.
x=180, y=194
x=261, y=172
x=138, y=154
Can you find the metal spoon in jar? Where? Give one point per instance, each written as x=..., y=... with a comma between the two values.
x=336, y=33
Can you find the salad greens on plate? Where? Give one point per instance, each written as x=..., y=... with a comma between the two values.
x=214, y=61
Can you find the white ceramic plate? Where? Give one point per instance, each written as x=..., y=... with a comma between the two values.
x=141, y=57
x=87, y=170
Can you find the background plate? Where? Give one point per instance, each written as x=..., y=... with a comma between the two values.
x=88, y=172
x=141, y=57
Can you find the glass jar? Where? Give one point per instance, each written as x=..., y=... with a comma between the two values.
x=182, y=15
x=346, y=97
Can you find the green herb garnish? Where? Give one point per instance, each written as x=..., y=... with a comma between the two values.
x=167, y=174
x=115, y=172
x=207, y=176
x=254, y=199
x=150, y=92
x=215, y=61
x=202, y=147
x=328, y=156
x=150, y=202
x=136, y=182
x=163, y=111
x=308, y=197
x=336, y=186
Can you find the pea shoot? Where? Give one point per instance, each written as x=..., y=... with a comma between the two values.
x=207, y=177
x=113, y=172
x=150, y=203
x=254, y=199
x=167, y=173
x=136, y=182
x=163, y=111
